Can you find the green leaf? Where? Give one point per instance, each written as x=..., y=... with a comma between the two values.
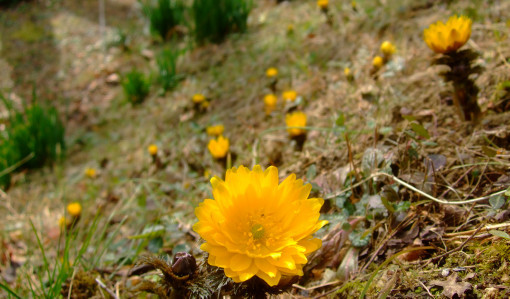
x=489, y=151
x=497, y=201
x=155, y=244
x=311, y=173
x=507, y=193
x=150, y=232
x=500, y=234
x=340, y=121
x=420, y=130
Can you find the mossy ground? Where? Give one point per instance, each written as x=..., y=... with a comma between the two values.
x=59, y=47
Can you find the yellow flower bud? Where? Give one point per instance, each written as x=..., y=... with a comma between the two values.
x=74, y=209
x=153, y=149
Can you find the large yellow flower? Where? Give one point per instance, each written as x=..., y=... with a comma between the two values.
x=257, y=227
x=295, y=119
x=218, y=147
x=449, y=37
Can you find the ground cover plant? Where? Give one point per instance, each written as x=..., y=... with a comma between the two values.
x=334, y=149
x=33, y=137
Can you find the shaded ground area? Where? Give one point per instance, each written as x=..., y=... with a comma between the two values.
x=376, y=145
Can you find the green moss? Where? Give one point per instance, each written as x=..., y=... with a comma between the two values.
x=29, y=32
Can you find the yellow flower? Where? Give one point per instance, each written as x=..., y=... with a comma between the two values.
x=74, y=209
x=449, y=37
x=271, y=72
x=205, y=104
x=153, y=149
x=198, y=98
x=387, y=48
x=215, y=130
x=295, y=119
x=257, y=227
x=90, y=172
x=347, y=72
x=290, y=28
x=64, y=222
x=377, y=62
x=218, y=147
x=270, y=103
x=289, y=95
x=322, y=4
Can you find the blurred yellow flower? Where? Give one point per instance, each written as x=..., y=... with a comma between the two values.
x=290, y=28
x=74, y=209
x=289, y=95
x=449, y=37
x=377, y=62
x=90, y=172
x=218, y=147
x=198, y=98
x=215, y=130
x=295, y=119
x=64, y=222
x=322, y=4
x=269, y=103
x=347, y=72
x=205, y=104
x=387, y=48
x=255, y=226
x=271, y=72
x=153, y=149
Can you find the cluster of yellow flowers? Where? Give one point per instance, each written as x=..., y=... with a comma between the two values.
x=255, y=226
x=387, y=49
x=200, y=101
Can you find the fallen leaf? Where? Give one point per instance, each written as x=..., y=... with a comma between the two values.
x=452, y=287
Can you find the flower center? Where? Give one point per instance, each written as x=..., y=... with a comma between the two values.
x=257, y=231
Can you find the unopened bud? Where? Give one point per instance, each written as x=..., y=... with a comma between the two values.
x=183, y=264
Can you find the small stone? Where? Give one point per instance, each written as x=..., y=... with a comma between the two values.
x=445, y=272
x=113, y=79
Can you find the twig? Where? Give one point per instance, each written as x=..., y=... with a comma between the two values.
x=315, y=287
x=455, y=249
x=426, y=289
x=487, y=227
x=462, y=202
x=102, y=285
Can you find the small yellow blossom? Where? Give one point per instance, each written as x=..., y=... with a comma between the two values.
x=290, y=28
x=269, y=103
x=387, y=48
x=272, y=72
x=322, y=4
x=90, y=172
x=216, y=130
x=289, y=95
x=449, y=37
x=74, y=209
x=347, y=72
x=153, y=149
x=64, y=222
x=205, y=104
x=255, y=226
x=198, y=98
x=378, y=62
x=295, y=119
x=218, y=147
